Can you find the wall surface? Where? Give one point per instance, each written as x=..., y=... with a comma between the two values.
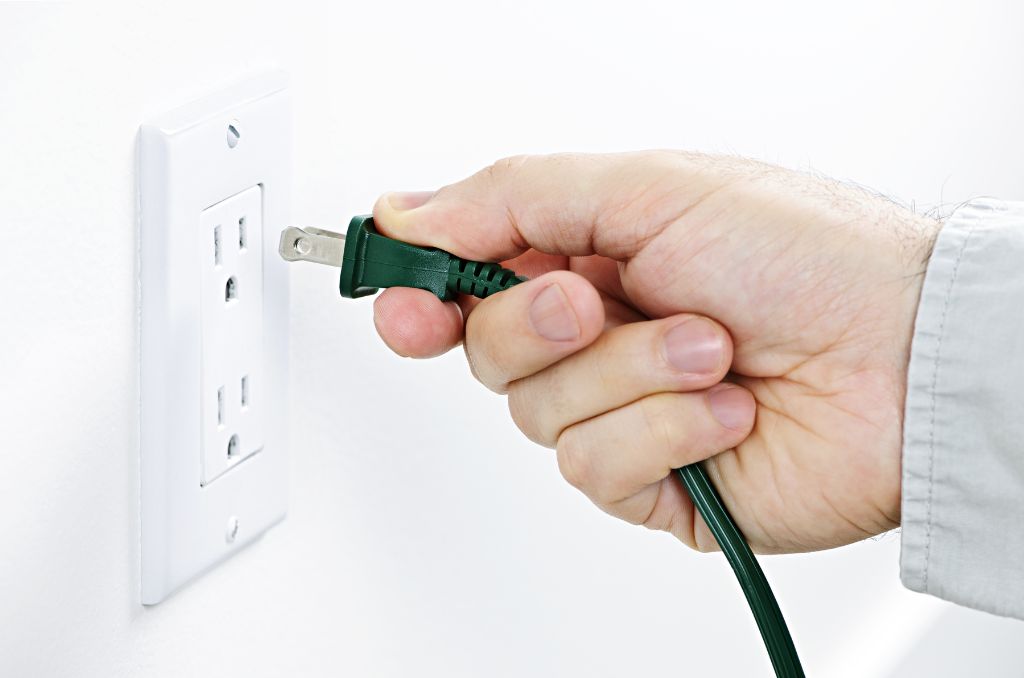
x=422, y=543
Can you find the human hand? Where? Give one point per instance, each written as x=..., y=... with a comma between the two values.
x=610, y=354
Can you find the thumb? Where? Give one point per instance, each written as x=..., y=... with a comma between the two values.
x=568, y=204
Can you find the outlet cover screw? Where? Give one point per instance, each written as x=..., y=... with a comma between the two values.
x=233, y=134
x=232, y=531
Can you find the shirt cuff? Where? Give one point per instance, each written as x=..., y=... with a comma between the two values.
x=963, y=437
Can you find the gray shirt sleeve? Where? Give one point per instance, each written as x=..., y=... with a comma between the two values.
x=963, y=438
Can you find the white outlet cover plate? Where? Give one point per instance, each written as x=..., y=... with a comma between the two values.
x=192, y=518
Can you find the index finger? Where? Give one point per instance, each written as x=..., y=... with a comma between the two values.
x=569, y=204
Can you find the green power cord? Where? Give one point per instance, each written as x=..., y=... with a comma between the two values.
x=369, y=261
x=755, y=587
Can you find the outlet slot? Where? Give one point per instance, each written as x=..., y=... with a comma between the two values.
x=245, y=391
x=233, y=447
x=243, y=237
x=231, y=289
x=217, y=258
x=220, y=406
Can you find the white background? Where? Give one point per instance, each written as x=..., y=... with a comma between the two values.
x=426, y=538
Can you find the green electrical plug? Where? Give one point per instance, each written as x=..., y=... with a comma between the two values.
x=370, y=261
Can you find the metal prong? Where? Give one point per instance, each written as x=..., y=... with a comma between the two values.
x=312, y=244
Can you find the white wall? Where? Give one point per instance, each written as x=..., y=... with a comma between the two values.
x=425, y=537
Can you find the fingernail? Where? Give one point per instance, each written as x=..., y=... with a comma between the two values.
x=552, y=315
x=409, y=200
x=732, y=406
x=694, y=347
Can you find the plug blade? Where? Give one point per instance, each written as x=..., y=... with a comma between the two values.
x=312, y=244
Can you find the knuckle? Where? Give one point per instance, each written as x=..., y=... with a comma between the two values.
x=700, y=538
x=487, y=360
x=607, y=355
x=471, y=360
x=701, y=546
x=501, y=170
x=481, y=367
x=664, y=427
x=574, y=462
x=526, y=413
x=680, y=526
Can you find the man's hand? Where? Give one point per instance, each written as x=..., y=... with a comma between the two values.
x=657, y=275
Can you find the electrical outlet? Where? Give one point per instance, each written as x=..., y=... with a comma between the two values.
x=232, y=402
x=213, y=190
